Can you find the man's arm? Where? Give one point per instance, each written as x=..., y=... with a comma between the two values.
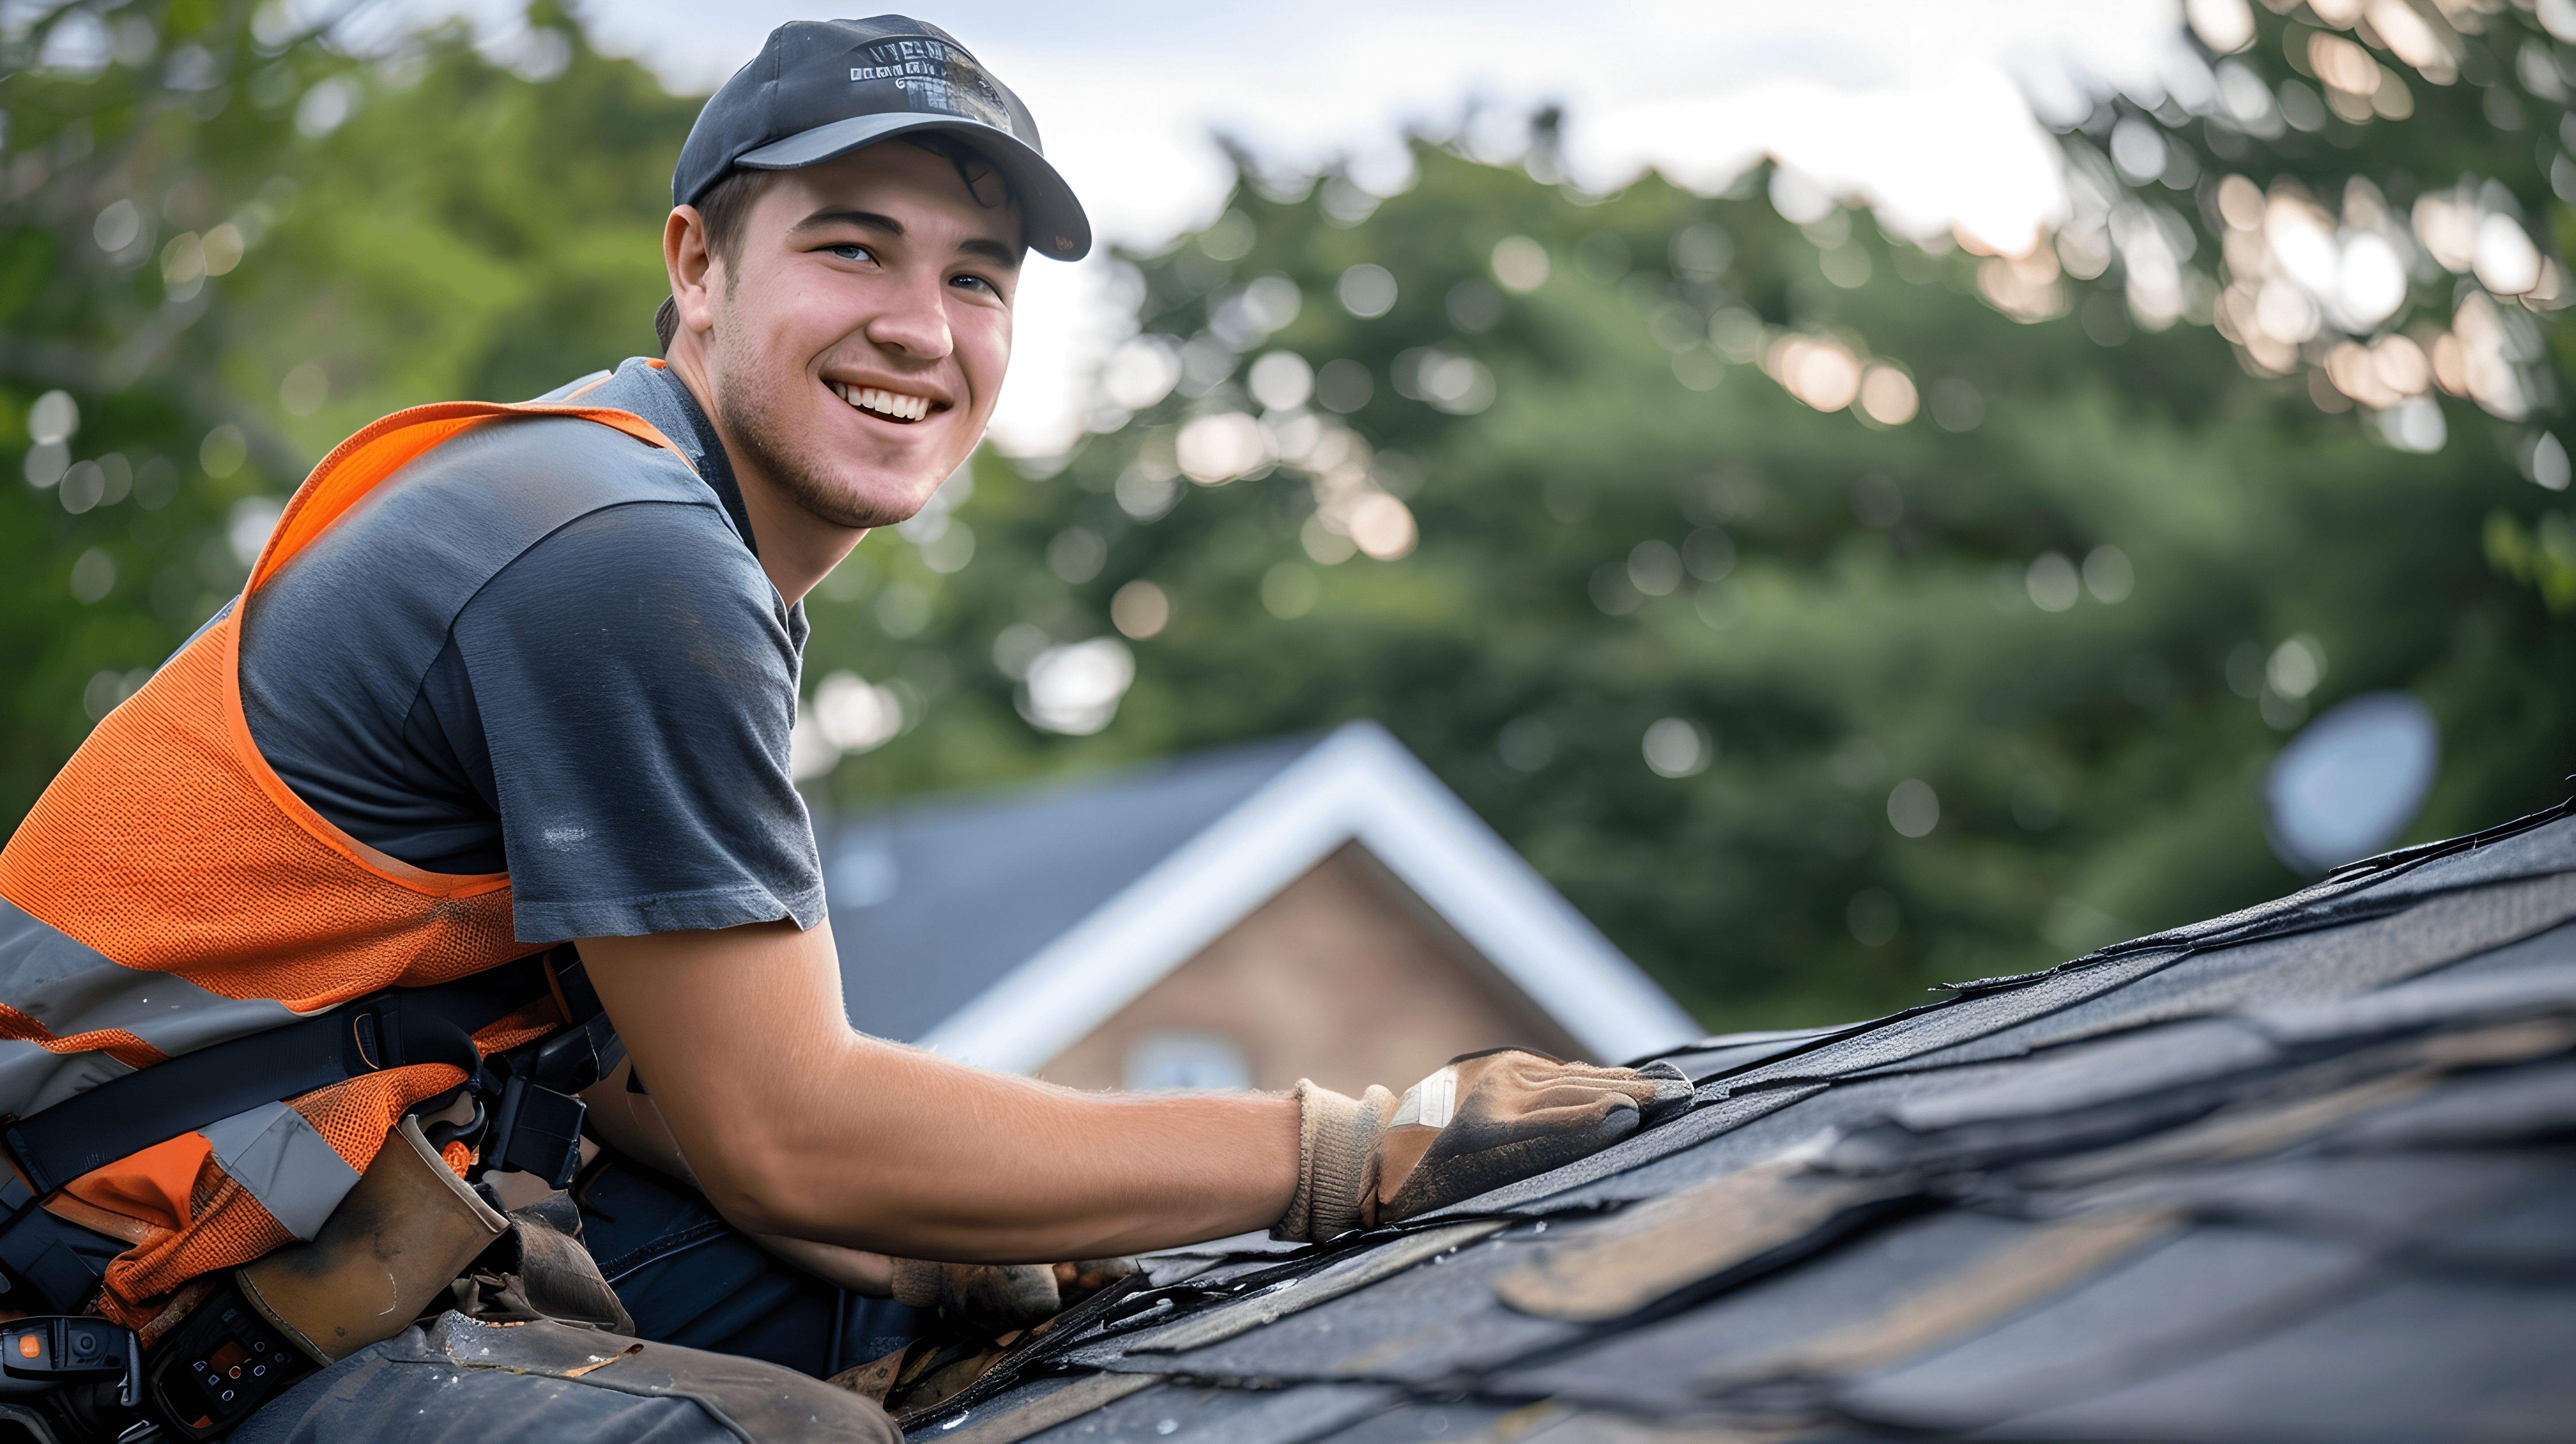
x=795, y=1124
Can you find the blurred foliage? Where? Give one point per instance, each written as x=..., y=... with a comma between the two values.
x=1622, y=518
x=423, y=225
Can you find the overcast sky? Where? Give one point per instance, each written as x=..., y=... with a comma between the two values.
x=1921, y=106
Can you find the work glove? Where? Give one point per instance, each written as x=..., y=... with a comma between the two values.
x=1485, y=1120
x=1000, y=1297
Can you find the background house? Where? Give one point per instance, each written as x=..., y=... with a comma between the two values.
x=1312, y=907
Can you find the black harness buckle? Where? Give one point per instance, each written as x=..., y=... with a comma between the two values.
x=536, y=1131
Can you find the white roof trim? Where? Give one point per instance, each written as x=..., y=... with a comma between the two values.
x=1359, y=784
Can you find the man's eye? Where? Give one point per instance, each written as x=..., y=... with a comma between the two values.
x=976, y=283
x=852, y=252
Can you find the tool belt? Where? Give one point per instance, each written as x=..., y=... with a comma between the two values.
x=408, y=1229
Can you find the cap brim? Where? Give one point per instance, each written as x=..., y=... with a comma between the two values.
x=1056, y=225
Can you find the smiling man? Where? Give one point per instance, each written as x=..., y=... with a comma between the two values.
x=439, y=936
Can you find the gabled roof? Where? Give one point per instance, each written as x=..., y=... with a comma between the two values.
x=1003, y=930
x=2302, y=1172
x=933, y=904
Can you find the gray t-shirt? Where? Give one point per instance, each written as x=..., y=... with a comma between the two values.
x=548, y=649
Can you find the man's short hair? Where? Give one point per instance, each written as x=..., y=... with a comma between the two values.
x=726, y=208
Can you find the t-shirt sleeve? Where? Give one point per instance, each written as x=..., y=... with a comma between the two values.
x=634, y=679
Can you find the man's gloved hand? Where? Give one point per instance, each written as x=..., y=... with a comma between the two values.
x=1485, y=1120
x=1000, y=1297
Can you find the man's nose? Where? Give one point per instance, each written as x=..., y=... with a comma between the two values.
x=915, y=320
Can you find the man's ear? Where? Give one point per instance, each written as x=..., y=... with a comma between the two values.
x=696, y=272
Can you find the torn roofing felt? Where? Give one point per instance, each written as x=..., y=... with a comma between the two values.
x=2304, y=1172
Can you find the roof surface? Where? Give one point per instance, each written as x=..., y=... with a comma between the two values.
x=2307, y=1171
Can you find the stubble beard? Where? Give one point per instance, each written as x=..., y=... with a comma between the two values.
x=786, y=453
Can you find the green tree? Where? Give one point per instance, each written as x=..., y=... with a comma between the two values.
x=226, y=246
x=1624, y=517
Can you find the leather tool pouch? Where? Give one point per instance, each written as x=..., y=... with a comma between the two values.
x=540, y=1270
x=388, y=1253
x=411, y=1240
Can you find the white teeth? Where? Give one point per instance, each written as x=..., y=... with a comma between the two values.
x=884, y=403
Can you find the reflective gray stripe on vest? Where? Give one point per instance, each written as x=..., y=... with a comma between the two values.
x=278, y=1155
x=71, y=988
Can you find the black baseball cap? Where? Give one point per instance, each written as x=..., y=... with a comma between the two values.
x=824, y=88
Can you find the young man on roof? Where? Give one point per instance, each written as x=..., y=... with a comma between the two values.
x=284, y=948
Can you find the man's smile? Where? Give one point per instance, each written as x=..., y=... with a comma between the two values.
x=877, y=401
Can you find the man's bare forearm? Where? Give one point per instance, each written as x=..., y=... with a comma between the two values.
x=796, y=1125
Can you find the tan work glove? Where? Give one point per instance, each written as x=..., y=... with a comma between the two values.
x=1001, y=1297
x=1485, y=1120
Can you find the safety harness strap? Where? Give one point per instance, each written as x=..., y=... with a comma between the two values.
x=127, y=1115
x=391, y=1029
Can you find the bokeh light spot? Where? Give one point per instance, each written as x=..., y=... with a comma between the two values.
x=1677, y=747
x=82, y=486
x=1229, y=239
x=247, y=525
x=1142, y=371
x=1520, y=264
x=1076, y=555
x=1289, y=590
x=45, y=463
x=1655, y=568
x=1140, y=609
x=303, y=390
x=1708, y=553
x=1698, y=370
x=223, y=451
x=1281, y=381
x=1956, y=406
x=2225, y=26
x=1146, y=493
x=1383, y=527
x=2296, y=666
x=1913, y=808
x=1327, y=546
x=1873, y=917
x=2052, y=582
x=1075, y=689
x=1820, y=372
x=1214, y=450
x=2548, y=465
x=1343, y=386
x=902, y=611
x=1526, y=744
x=93, y=577
x=2346, y=786
x=53, y=419
x=2108, y=575
x=1887, y=396
x=1474, y=307
x=118, y=226
x=1367, y=290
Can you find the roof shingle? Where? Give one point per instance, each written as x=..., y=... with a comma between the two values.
x=2308, y=1171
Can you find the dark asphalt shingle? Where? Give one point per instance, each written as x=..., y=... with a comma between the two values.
x=2307, y=1172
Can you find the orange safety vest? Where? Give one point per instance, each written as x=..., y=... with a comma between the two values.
x=168, y=892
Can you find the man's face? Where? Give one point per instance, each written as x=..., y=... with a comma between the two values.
x=861, y=336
